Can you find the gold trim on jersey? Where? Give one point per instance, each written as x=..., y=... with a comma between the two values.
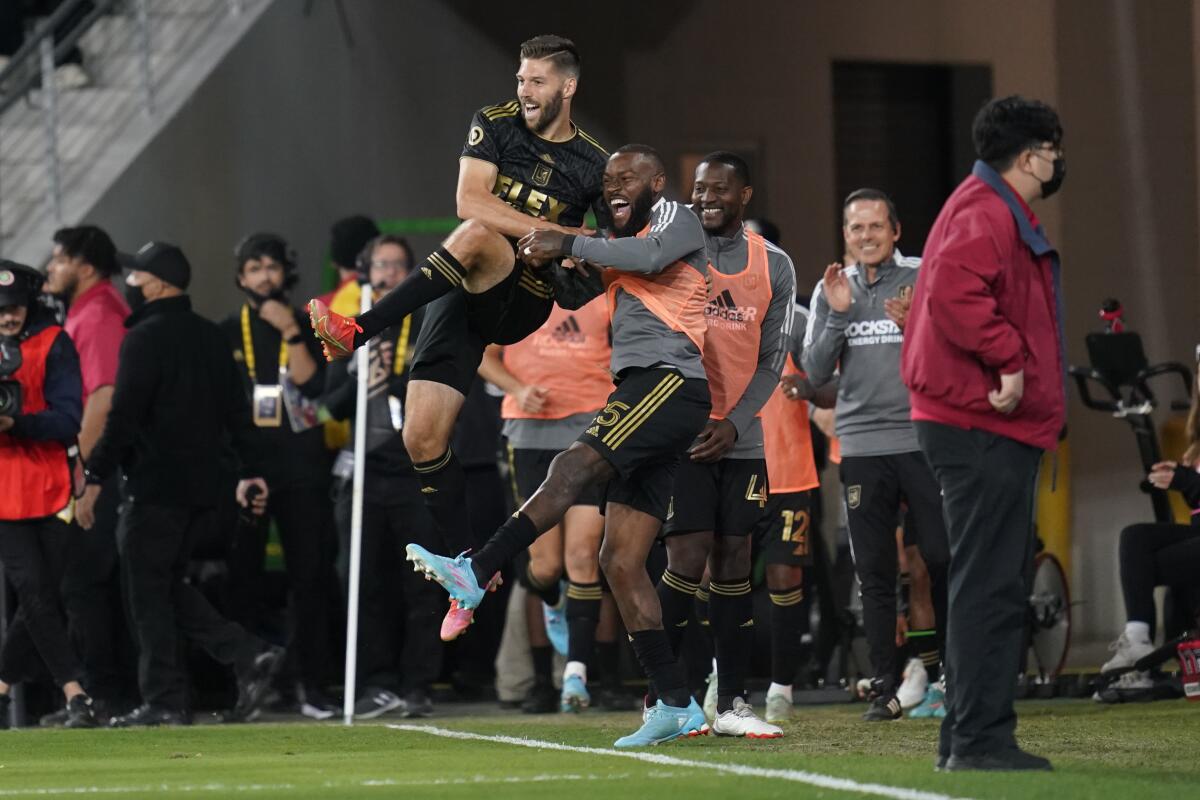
x=509, y=109
x=587, y=138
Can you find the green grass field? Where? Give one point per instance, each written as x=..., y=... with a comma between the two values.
x=1135, y=751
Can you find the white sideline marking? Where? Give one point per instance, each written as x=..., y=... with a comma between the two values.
x=795, y=775
x=474, y=780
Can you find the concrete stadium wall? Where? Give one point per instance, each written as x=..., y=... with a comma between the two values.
x=298, y=128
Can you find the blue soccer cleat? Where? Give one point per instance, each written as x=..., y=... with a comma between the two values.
x=575, y=697
x=555, y=618
x=934, y=704
x=454, y=574
x=664, y=723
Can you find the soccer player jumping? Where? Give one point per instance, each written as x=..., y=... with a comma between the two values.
x=654, y=275
x=525, y=166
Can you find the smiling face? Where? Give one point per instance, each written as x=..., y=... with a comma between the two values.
x=719, y=197
x=632, y=184
x=542, y=90
x=870, y=236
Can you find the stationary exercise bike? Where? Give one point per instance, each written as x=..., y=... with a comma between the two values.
x=1120, y=369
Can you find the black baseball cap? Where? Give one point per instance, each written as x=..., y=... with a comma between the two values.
x=162, y=260
x=19, y=284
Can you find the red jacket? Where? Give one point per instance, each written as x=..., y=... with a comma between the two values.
x=986, y=302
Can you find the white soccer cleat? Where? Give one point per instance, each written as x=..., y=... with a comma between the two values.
x=741, y=721
x=912, y=688
x=1126, y=653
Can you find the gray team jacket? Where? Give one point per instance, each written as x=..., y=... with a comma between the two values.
x=729, y=257
x=863, y=347
x=639, y=338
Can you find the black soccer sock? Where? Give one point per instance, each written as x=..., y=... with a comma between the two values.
x=676, y=593
x=444, y=490
x=924, y=644
x=661, y=667
x=732, y=614
x=547, y=592
x=543, y=663
x=435, y=276
x=583, y=613
x=517, y=533
x=787, y=627
x=608, y=660
x=702, y=608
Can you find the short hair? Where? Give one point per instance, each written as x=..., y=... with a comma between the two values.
x=731, y=160
x=92, y=245
x=368, y=252
x=347, y=238
x=868, y=193
x=642, y=150
x=560, y=51
x=1006, y=126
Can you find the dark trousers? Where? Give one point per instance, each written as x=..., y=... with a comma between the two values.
x=1159, y=555
x=33, y=554
x=400, y=612
x=304, y=518
x=91, y=594
x=875, y=487
x=155, y=543
x=988, y=489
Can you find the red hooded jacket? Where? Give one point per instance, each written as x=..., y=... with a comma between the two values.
x=987, y=302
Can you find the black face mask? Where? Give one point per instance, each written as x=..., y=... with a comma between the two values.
x=1056, y=179
x=135, y=297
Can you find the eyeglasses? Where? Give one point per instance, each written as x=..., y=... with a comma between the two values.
x=1055, y=151
x=396, y=263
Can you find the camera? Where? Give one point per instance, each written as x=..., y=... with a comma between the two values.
x=10, y=389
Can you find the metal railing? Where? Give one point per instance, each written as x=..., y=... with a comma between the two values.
x=28, y=91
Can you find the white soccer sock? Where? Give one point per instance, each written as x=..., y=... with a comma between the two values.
x=780, y=689
x=1138, y=632
x=575, y=668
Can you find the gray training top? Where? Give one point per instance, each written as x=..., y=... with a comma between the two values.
x=729, y=257
x=863, y=344
x=640, y=339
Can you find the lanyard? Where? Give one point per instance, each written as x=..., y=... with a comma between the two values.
x=248, y=346
x=401, y=355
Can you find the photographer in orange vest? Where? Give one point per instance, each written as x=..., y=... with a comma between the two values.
x=40, y=409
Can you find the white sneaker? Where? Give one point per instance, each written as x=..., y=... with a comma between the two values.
x=779, y=708
x=741, y=721
x=710, y=698
x=912, y=688
x=1126, y=653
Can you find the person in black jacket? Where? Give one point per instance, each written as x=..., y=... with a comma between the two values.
x=283, y=374
x=176, y=397
x=40, y=409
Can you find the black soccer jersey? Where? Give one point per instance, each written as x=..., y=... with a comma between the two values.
x=555, y=180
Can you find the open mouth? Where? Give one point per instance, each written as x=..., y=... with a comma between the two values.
x=620, y=209
x=529, y=109
x=711, y=216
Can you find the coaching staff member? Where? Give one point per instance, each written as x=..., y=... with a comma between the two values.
x=983, y=359
x=176, y=395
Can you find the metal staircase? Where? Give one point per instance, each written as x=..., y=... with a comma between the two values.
x=61, y=150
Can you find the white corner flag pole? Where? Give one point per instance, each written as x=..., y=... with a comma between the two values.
x=356, y=519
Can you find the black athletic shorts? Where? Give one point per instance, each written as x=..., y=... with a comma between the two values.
x=459, y=325
x=528, y=469
x=782, y=535
x=728, y=497
x=650, y=420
